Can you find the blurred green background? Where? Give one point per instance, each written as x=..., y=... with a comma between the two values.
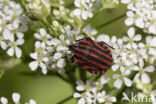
x=50, y=89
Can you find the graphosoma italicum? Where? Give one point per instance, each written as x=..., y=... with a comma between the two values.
x=92, y=56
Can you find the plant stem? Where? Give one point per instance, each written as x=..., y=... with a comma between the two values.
x=66, y=99
x=23, y=4
x=83, y=74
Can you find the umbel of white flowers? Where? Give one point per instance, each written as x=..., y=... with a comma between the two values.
x=12, y=26
x=142, y=14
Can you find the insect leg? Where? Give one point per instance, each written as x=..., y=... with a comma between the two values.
x=71, y=59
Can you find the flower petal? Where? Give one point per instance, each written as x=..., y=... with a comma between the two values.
x=37, y=36
x=115, y=67
x=76, y=95
x=129, y=21
x=145, y=78
x=137, y=37
x=149, y=68
x=153, y=42
x=77, y=12
x=33, y=65
x=84, y=15
x=81, y=101
x=18, y=52
x=4, y=100
x=128, y=82
x=131, y=32
x=104, y=79
x=10, y=51
x=118, y=83
x=16, y=97
x=136, y=77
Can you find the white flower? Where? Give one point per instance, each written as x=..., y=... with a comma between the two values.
x=96, y=95
x=16, y=97
x=4, y=100
x=84, y=8
x=119, y=80
x=43, y=36
x=82, y=86
x=142, y=72
x=83, y=97
x=132, y=38
x=14, y=47
x=39, y=62
x=103, y=80
x=110, y=99
x=89, y=31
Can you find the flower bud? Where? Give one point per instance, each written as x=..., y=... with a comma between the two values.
x=109, y=4
x=38, y=9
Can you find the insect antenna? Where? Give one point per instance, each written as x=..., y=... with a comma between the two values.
x=67, y=35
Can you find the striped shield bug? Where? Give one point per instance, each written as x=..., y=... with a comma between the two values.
x=90, y=55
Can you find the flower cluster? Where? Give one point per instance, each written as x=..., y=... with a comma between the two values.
x=84, y=8
x=129, y=55
x=12, y=26
x=142, y=14
x=50, y=53
x=16, y=99
x=93, y=92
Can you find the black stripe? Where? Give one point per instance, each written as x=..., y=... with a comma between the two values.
x=106, y=47
x=91, y=41
x=87, y=63
x=90, y=57
x=97, y=53
x=94, y=52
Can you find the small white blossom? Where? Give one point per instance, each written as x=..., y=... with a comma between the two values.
x=84, y=98
x=89, y=31
x=43, y=36
x=84, y=8
x=14, y=47
x=142, y=72
x=120, y=78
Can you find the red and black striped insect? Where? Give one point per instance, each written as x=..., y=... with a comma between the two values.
x=92, y=56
